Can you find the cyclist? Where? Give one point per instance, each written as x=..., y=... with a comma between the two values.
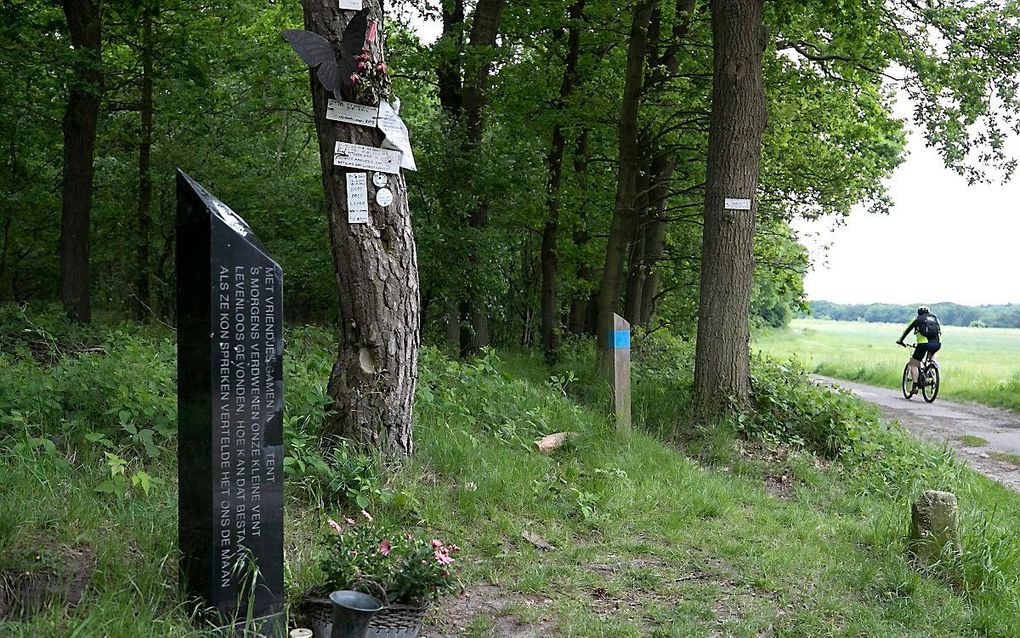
x=928, y=333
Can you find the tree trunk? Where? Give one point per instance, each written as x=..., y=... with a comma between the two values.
x=144, y=167
x=84, y=21
x=636, y=267
x=373, y=380
x=655, y=235
x=451, y=100
x=578, y=322
x=478, y=65
x=550, y=234
x=621, y=229
x=722, y=366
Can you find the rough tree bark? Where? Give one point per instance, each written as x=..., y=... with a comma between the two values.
x=144, y=169
x=722, y=366
x=373, y=380
x=621, y=230
x=550, y=233
x=84, y=22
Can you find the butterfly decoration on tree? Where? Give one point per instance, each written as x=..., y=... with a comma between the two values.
x=333, y=71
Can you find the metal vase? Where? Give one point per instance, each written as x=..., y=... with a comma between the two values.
x=352, y=611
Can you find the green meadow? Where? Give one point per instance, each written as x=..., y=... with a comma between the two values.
x=978, y=364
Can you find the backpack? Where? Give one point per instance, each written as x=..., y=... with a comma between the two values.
x=928, y=325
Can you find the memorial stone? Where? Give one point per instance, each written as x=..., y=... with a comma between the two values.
x=230, y=411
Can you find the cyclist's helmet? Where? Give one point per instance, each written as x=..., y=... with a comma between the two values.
x=923, y=310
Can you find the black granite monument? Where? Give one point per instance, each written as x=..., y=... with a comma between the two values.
x=230, y=413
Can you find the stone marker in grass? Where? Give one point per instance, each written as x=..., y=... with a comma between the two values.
x=230, y=411
x=935, y=528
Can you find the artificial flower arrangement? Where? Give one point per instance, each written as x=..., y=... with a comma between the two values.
x=398, y=568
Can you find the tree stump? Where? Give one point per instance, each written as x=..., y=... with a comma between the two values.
x=935, y=528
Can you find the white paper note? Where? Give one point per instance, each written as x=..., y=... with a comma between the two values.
x=351, y=5
x=351, y=113
x=736, y=203
x=367, y=158
x=396, y=135
x=357, y=198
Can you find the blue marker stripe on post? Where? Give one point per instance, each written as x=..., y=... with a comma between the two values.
x=620, y=339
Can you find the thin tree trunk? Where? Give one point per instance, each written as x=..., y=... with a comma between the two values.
x=550, y=233
x=655, y=235
x=722, y=366
x=84, y=21
x=578, y=322
x=621, y=230
x=636, y=267
x=451, y=100
x=478, y=65
x=373, y=380
x=144, y=167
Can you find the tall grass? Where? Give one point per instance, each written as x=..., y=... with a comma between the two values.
x=652, y=537
x=977, y=364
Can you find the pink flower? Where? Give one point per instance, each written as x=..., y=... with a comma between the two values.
x=354, y=78
x=442, y=558
x=453, y=548
x=336, y=526
x=349, y=521
x=437, y=543
x=381, y=67
x=366, y=515
x=361, y=66
x=385, y=546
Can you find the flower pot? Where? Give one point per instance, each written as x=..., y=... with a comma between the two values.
x=393, y=621
x=351, y=613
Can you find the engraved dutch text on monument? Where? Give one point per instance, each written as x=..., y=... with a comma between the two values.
x=230, y=410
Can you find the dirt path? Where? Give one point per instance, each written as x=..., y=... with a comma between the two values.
x=944, y=421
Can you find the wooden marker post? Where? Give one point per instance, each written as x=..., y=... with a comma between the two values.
x=619, y=342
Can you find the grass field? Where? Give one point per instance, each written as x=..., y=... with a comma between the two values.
x=978, y=364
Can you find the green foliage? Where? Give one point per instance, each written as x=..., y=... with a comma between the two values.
x=396, y=567
x=949, y=314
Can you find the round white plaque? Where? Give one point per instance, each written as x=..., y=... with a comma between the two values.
x=380, y=179
x=384, y=197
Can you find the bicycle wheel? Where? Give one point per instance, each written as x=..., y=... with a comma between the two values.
x=931, y=388
x=908, y=385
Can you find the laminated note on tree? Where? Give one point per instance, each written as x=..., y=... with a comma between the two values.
x=366, y=158
x=396, y=135
x=351, y=5
x=357, y=198
x=351, y=113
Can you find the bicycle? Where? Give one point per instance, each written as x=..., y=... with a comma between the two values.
x=927, y=378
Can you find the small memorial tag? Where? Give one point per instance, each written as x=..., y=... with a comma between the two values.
x=357, y=198
x=384, y=197
x=366, y=158
x=380, y=179
x=736, y=203
x=351, y=5
x=351, y=113
x=396, y=135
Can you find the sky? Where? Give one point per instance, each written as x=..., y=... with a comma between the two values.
x=943, y=241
